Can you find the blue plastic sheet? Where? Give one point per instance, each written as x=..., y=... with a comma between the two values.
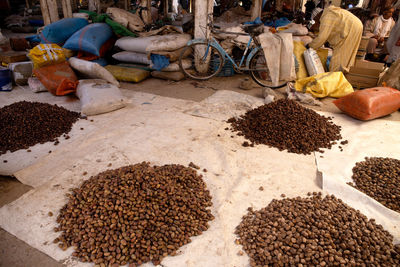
x=59, y=31
x=90, y=38
x=159, y=61
x=278, y=23
x=256, y=21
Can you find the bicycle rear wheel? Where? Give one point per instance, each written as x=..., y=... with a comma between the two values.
x=259, y=71
x=204, y=62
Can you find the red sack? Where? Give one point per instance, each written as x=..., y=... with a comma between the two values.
x=370, y=103
x=103, y=50
x=59, y=79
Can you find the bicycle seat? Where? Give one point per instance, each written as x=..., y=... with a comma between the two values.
x=253, y=29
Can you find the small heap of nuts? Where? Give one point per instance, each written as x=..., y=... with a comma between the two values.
x=314, y=231
x=24, y=124
x=134, y=214
x=285, y=124
x=379, y=178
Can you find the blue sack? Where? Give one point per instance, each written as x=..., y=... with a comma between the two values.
x=90, y=38
x=159, y=61
x=59, y=31
x=282, y=22
x=101, y=61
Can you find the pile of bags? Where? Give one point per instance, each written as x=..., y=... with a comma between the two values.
x=158, y=52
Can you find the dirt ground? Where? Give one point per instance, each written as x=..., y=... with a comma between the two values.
x=16, y=253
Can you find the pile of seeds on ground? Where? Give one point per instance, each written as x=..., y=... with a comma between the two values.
x=24, y=124
x=379, y=178
x=284, y=124
x=134, y=214
x=314, y=231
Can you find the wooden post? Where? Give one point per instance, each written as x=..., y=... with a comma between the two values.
x=146, y=13
x=165, y=5
x=67, y=8
x=53, y=10
x=45, y=12
x=256, y=9
x=127, y=4
x=203, y=8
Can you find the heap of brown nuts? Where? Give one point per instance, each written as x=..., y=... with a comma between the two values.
x=134, y=214
x=314, y=231
x=285, y=124
x=379, y=178
x=24, y=124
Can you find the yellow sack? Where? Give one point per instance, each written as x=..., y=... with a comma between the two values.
x=298, y=50
x=323, y=56
x=332, y=84
x=127, y=74
x=46, y=54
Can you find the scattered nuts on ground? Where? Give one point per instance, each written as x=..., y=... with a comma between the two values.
x=314, y=231
x=24, y=124
x=285, y=124
x=379, y=178
x=134, y=214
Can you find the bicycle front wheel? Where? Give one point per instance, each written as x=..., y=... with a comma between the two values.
x=259, y=71
x=203, y=62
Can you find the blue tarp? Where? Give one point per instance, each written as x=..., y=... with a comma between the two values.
x=159, y=61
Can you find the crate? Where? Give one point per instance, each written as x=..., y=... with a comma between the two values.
x=226, y=71
x=364, y=74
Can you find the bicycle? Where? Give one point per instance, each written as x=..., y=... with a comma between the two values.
x=208, y=57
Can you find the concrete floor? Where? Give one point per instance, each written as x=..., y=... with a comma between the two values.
x=16, y=253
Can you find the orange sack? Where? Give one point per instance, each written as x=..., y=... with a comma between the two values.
x=59, y=79
x=370, y=103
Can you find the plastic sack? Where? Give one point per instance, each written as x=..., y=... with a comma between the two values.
x=46, y=54
x=305, y=39
x=332, y=84
x=97, y=97
x=159, y=62
x=102, y=51
x=128, y=74
x=59, y=79
x=59, y=31
x=132, y=57
x=90, y=38
x=35, y=85
x=313, y=62
x=170, y=42
x=391, y=77
x=171, y=76
x=5, y=79
x=370, y=103
x=92, y=70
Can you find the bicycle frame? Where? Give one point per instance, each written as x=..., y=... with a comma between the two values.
x=213, y=42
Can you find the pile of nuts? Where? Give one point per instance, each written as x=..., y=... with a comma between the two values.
x=314, y=231
x=134, y=214
x=379, y=178
x=285, y=124
x=24, y=124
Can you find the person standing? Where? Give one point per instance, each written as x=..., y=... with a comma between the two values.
x=343, y=31
x=378, y=29
x=393, y=44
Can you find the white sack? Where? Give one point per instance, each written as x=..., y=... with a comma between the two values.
x=296, y=29
x=97, y=96
x=36, y=85
x=278, y=51
x=313, y=62
x=132, y=57
x=304, y=39
x=168, y=42
x=92, y=70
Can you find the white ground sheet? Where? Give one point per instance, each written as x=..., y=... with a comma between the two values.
x=376, y=138
x=155, y=129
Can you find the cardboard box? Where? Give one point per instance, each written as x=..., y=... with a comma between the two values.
x=364, y=74
x=13, y=56
x=365, y=64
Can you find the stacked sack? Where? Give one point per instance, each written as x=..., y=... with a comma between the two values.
x=160, y=52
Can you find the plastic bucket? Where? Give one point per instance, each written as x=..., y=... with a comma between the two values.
x=5, y=79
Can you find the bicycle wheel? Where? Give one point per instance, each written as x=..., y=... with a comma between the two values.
x=204, y=62
x=259, y=71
